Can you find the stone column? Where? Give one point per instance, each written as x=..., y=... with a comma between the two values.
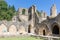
x=53, y=11
x=33, y=18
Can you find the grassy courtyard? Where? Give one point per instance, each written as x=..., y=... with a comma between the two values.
x=20, y=38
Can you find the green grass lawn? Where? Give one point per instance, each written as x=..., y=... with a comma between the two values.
x=20, y=38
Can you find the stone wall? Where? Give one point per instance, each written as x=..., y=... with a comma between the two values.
x=12, y=28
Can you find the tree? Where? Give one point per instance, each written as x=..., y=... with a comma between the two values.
x=3, y=5
x=6, y=12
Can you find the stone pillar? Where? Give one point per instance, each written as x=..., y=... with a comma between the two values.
x=53, y=11
x=20, y=11
x=33, y=18
x=26, y=11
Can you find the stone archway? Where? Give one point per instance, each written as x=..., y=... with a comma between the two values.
x=3, y=28
x=55, y=29
x=43, y=30
x=12, y=29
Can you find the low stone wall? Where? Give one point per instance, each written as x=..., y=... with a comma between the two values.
x=46, y=37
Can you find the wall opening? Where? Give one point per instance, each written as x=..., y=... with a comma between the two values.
x=29, y=29
x=3, y=28
x=12, y=29
x=43, y=32
x=23, y=11
x=55, y=30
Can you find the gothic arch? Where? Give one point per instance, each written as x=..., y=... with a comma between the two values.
x=45, y=26
x=3, y=28
x=44, y=30
x=12, y=29
x=55, y=28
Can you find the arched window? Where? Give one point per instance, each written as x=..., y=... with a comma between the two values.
x=23, y=11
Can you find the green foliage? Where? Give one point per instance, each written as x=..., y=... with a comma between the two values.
x=23, y=11
x=20, y=38
x=6, y=12
x=3, y=5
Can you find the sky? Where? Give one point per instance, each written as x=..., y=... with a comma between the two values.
x=44, y=5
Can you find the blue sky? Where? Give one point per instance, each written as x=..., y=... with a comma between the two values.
x=44, y=5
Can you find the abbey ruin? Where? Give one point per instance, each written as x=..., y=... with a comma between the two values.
x=29, y=21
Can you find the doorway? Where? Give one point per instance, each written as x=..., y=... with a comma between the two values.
x=43, y=32
x=55, y=29
x=29, y=29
